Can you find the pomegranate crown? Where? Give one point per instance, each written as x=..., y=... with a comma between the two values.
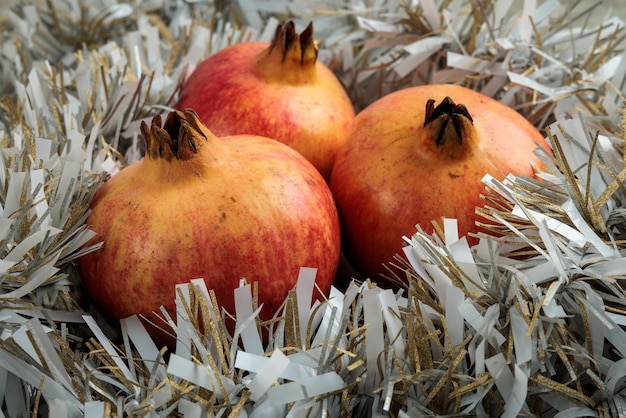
x=286, y=37
x=177, y=138
x=447, y=111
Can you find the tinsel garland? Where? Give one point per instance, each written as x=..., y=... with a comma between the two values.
x=527, y=322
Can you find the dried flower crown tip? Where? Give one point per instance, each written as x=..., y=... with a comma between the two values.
x=179, y=137
x=302, y=48
x=445, y=113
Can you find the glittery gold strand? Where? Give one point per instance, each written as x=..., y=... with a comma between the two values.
x=591, y=106
x=414, y=20
x=446, y=335
x=222, y=347
x=270, y=323
x=544, y=190
x=523, y=308
x=238, y=408
x=142, y=410
x=295, y=321
x=209, y=43
x=62, y=94
x=183, y=389
x=613, y=309
x=70, y=361
x=35, y=410
x=255, y=295
x=423, y=348
x=607, y=169
x=510, y=342
x=105, y=87
x=603, y=411
x=17, y=278
x=49, y=71
x=355, y=333
x=552, y=207
x=453, y=404
x=319, y=398
x=96, y=350
x=542, y=350
x=490, y=228
x=601, y=58
x=537, y=310
x=413, y=324
x=21, y=51
x=596, y=43
x=172, y=57
x=14, y=110
x=494, y=201
x=483, y=380
x=204, y=312
x=570, y=177
x=345, y=404
x=219, y=331
x=307, y=339
x=446, y=376
x=401, y=391
x=460, y=273
x=437, y=229
x=12, y=347
x=590, y=166
x=355, y=365
x=583, y=314
x=177, y=90
x=40, y=355
x=562, y=389
x=218, y=376
x=604, y=197
x=57, y=118
x=146, y=94
x=291, y=321
x=540, y=114
x=596, y=380
x=453, y=272
x=187, y=305
x=622, y=128
x=421, y=294
x=559, y=351
x=18, y=305
x=524, y=253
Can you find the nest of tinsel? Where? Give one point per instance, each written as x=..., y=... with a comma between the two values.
x=529, y=322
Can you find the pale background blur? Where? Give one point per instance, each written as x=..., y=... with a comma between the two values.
x=603, y=8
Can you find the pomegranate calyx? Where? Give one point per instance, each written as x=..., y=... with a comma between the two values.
x=308, y=46
x=177, y=138
x=303, y=47
x=445, y=113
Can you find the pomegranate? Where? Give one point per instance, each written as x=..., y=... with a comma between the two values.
x=199, y=206
x=409, y=162
x=278, y=90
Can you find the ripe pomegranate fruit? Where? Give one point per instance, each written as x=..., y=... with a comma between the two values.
x=199, y=206
x=408, y=161
x=278, y=90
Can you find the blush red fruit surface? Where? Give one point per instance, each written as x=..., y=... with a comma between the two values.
x=417, y=155
x=278, y=90
x=221, y=209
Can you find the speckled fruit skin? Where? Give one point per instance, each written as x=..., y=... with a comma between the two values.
x=249, y=89
x=243, y=207
x=390, y=175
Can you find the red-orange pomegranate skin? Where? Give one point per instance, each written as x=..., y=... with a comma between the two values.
x=221, y=209
x=391, y=175
x=278, y=90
